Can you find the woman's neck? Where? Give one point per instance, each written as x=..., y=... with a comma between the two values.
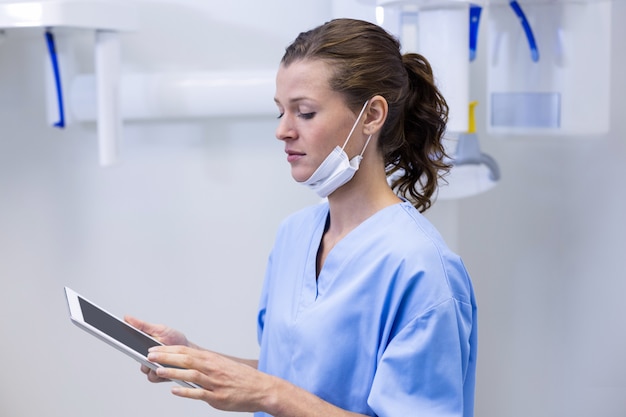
x=354, y=203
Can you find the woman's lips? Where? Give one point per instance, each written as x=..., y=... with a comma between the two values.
x=293, y=156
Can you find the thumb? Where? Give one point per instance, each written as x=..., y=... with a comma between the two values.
x=139, y=324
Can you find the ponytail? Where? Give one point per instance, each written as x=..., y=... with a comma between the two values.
x=421, y=158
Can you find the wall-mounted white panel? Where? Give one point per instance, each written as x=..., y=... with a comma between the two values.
x=563, y=86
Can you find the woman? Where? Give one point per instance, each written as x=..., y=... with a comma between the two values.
x=364, y=310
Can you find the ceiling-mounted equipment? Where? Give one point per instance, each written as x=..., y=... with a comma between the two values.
x=106, y=19
x=446, y=33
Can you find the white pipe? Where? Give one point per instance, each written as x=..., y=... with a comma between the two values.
x=107, y=63
x=182, y=95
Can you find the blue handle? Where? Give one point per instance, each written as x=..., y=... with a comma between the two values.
x=534, y=52
x=473, y=28
x=57, y=77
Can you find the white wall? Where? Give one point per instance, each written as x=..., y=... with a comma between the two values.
x=179, y=233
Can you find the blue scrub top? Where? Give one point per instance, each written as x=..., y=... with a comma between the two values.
x=388, y=328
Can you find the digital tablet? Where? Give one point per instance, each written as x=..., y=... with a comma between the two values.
x=110, y=329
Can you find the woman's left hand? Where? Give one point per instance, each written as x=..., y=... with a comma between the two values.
x=226, y=384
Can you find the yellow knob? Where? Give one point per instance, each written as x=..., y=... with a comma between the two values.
x=472, y=117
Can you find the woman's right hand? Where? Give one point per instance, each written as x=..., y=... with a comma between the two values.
x=163, y=334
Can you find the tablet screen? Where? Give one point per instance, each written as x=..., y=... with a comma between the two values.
x=115, y=328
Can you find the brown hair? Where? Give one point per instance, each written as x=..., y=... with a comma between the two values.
x=367, y=61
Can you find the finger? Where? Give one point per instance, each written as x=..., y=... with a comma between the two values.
x=168, y=358
x=151, y=374
x=139, y=324
x=179, y=374
x=176, y=349
x=154, y=377
x=133, y=321
x=192, y=393
x=180, y=362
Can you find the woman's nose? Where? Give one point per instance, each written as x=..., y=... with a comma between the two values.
x=285, y=129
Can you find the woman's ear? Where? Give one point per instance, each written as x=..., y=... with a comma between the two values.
x=375, y=115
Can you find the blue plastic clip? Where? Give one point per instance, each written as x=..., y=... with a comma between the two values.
x=473, y=28
x=57, y=77
x=534, y=52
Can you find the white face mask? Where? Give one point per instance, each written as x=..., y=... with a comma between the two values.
x=337, y=169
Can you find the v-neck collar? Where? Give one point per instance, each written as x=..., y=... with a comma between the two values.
x=315, y=285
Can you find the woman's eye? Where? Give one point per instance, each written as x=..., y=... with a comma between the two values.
x=280, y=116
x=307, y=116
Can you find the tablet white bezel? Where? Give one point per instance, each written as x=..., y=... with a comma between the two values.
x=76, y=316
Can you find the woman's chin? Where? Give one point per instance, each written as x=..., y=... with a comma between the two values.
x=300, y=176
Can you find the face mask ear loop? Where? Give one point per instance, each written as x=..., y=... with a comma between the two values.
x=365, y=146
x=354, y=127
